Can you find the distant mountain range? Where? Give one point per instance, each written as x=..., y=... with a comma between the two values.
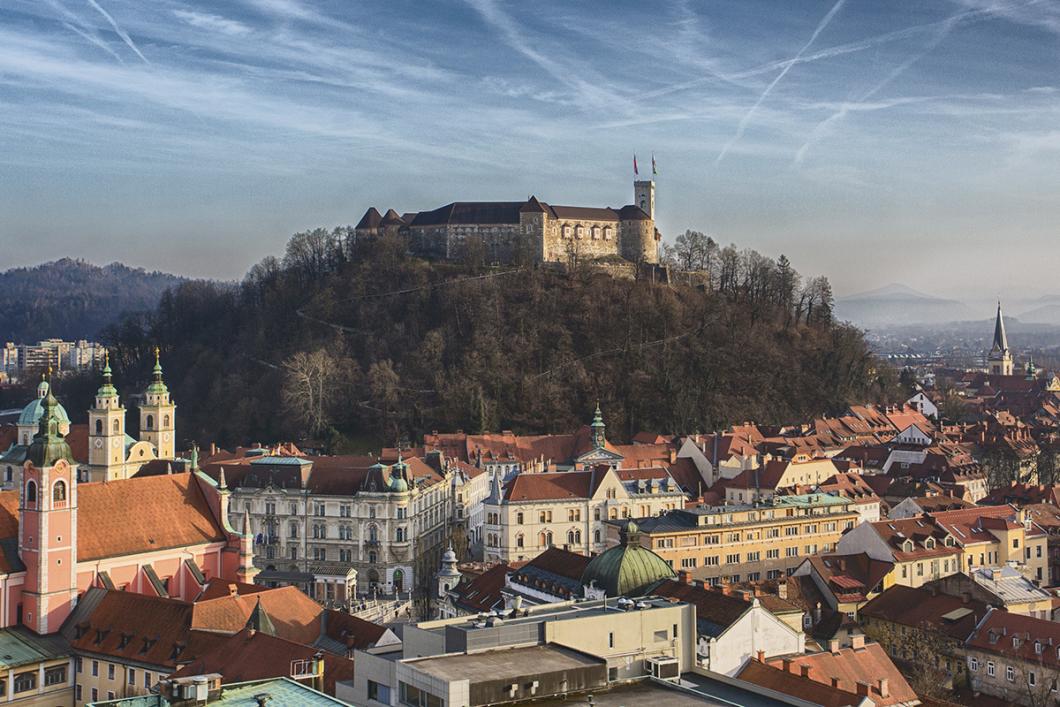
x=73, y=299
x=897, y=305
x=1044, y=310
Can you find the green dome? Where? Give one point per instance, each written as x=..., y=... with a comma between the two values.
x=48, y=444
x=31, y=414
x=398, y=484
x=626, y=569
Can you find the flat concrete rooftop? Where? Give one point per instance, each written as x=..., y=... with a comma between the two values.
x=503, y=664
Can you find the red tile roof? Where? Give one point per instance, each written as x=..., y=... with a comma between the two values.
x=553, y=485
x=294, y=615
x=866, y=665
x=1014, y=635
x=922, y=608
x=118, y=518
x=483, y=593
x=254, y=655
x=776, y=678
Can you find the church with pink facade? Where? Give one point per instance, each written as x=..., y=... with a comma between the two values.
x=165, y=535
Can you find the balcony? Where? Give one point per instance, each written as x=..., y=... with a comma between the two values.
x=371, y=543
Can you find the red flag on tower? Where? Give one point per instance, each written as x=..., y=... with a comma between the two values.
x=635, y=172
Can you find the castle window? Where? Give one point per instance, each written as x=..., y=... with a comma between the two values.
x=596, y=233
x=59, y=494
x=566, y=231
x=579, y=231
x=99, y=427
x=31, y=494
x=607, y=233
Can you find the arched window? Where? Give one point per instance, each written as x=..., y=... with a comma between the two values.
x=149, y=424
x=372, y=533
x=566, y=231
x=596, y=233
x=165, y=421
x=292, y=530
x=544, y=538
x=570, y=537
x=117, y=427
x=596, y=536
x=579, y=231
x=59, y=493
x=607, y=233
x=31, y=493
x=99, y=427
x=399, y=535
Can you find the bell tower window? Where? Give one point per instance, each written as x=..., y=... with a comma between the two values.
x=99, y=427
x=31, y=494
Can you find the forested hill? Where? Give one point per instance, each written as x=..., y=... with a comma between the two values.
x=72, y=299
x=362, y=344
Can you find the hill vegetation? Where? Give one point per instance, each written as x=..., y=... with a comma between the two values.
x=360, y=344
x=72, y=299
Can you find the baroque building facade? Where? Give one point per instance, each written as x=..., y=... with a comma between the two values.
x=342, y=527
x=532, y=228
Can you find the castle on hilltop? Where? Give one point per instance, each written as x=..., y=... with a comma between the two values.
x=546, y=232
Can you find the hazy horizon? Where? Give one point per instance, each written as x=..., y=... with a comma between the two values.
x=194, y=138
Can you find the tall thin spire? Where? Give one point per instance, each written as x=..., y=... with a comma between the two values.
x=1000, y=338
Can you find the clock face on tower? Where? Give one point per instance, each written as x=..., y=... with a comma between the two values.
x=165, y=436
x=114, y=442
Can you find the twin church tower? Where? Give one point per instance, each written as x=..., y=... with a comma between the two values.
x=113, y=454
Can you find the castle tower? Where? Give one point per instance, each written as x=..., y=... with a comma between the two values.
x=448, y=575
x=106, y=432
x=644, y=196
x=47, y=532
x=1000, y=358
x=158, y=415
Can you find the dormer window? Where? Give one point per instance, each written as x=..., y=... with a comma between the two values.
x=930, y=543
x=1015, y=642
x=907, y=546
x=1038, y=647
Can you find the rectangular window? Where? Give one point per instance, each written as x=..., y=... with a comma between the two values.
x=754, y=556
x=688, y=562
x=110, y=671
x=95, y=669
x=95, y=695
x=147, y=680
x=792, y=552
x=132, y=676
x=1010, y=673
x=378, y=692
x=55, y=675
x=26, y=681
x=990, y=669
x=711, y=561
x=77, y=692
x=661, y=635
x=610, y=640
x=732, y=559
x=973, y=664
x=773, y=553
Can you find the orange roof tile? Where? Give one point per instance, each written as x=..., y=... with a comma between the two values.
x=865, y=665
x=118, y=518
x=295, y=616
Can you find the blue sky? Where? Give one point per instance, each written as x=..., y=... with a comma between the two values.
x=869, y=141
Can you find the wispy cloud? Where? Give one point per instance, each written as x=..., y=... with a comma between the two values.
x=825, y=126
x=211, y=22
x=825, y=21
x=118, y=30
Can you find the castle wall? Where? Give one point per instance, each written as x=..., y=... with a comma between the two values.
x=638, y=241
x=587, y=238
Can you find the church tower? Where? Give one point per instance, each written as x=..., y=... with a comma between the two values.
x=158, y=415
x=47, y=531
x=448, y=575
x=1000, y=357
x=106, y=432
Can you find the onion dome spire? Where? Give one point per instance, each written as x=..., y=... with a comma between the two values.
x=158, y=385
x=107, y=389
x=597, y=427
x=49, y=445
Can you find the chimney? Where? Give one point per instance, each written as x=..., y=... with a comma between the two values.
x=835, y=683
x=761, y=656
x=789, y=665
x=885, y=687
x=864, y=689
x=857, y=642
x=782, y=589
x=684, y=577
x=804, y=671
x=833, y=646
x=233, y=590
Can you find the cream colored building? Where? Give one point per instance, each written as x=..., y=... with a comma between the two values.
x=570, y=509
x=735, y=543
x=35, y=671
